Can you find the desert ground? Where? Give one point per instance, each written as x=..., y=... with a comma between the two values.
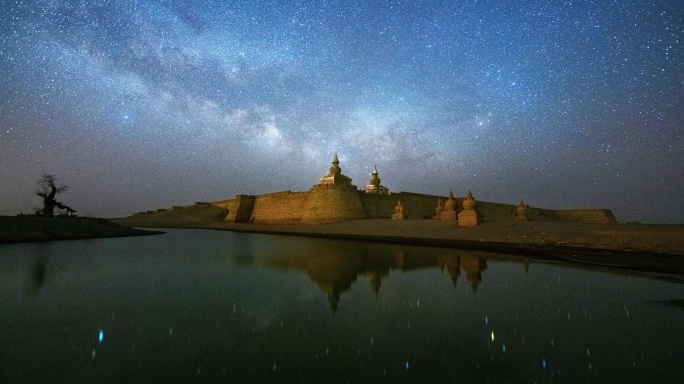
x=646, y=246
x=660, y=247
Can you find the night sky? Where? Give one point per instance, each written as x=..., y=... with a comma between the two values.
x=139, y=105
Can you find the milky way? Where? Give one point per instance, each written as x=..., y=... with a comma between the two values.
x=146, y=104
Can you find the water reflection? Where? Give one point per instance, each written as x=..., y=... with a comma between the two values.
x=204, y=306
x=37, y=270
x=335, y=268
x=37, y=277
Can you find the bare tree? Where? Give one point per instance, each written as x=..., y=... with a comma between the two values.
x=48, y=189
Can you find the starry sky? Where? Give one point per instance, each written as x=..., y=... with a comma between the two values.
x=139, y=105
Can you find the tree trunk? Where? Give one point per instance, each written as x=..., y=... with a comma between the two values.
x=49, y=208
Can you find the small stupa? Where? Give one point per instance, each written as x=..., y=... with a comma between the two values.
x=439, y=209
x=449, y=212
x=399, y=212
x=469, y=217
x=374, y=184
x=335, y=176
x=520, y=212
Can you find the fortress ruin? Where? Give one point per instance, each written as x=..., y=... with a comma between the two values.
x=334, y=198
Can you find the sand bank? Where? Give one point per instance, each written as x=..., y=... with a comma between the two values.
x=21, y=229
x=656, y=247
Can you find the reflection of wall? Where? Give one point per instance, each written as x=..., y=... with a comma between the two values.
x=333, y=272
x=334, y=268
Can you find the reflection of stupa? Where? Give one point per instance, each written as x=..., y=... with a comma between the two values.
x=452, y=265
x=375, y=279
x=334, y=266
x=473, y=267
x=334, y=269
x=333, y=293
x=333, y=273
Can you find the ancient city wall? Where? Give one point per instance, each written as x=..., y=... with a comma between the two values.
x=498, y=211
x=222, y=203
x=240, y=209
x=422, y=206
x=333, y=202
x=279, y=207
x=326, y=203
x=417, y=205
x=378, y=206
x=597, y=216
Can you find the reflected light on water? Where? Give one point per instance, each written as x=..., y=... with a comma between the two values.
x=218, y=307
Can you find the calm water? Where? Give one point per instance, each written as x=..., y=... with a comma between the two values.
x=206, y=306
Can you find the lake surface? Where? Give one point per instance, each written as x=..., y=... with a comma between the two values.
x=210, y=306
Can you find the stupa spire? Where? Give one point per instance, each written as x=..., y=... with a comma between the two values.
x=449, y=208
x=469, y=216
x=439, y=209
x=399, y=212
x=520, y=212
x=335, y=168
x=374, y=183
x=335, y=176
x=375, y=180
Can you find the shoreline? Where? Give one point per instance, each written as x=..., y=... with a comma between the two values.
x=656, y=248
x=652, y=247
x=27, y=229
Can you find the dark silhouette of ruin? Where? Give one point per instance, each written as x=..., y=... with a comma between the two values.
x=47, y=190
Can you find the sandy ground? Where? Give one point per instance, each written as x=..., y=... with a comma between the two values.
x=611, y=244
x=646, y=246
x=21, y=229
x=617, y=237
